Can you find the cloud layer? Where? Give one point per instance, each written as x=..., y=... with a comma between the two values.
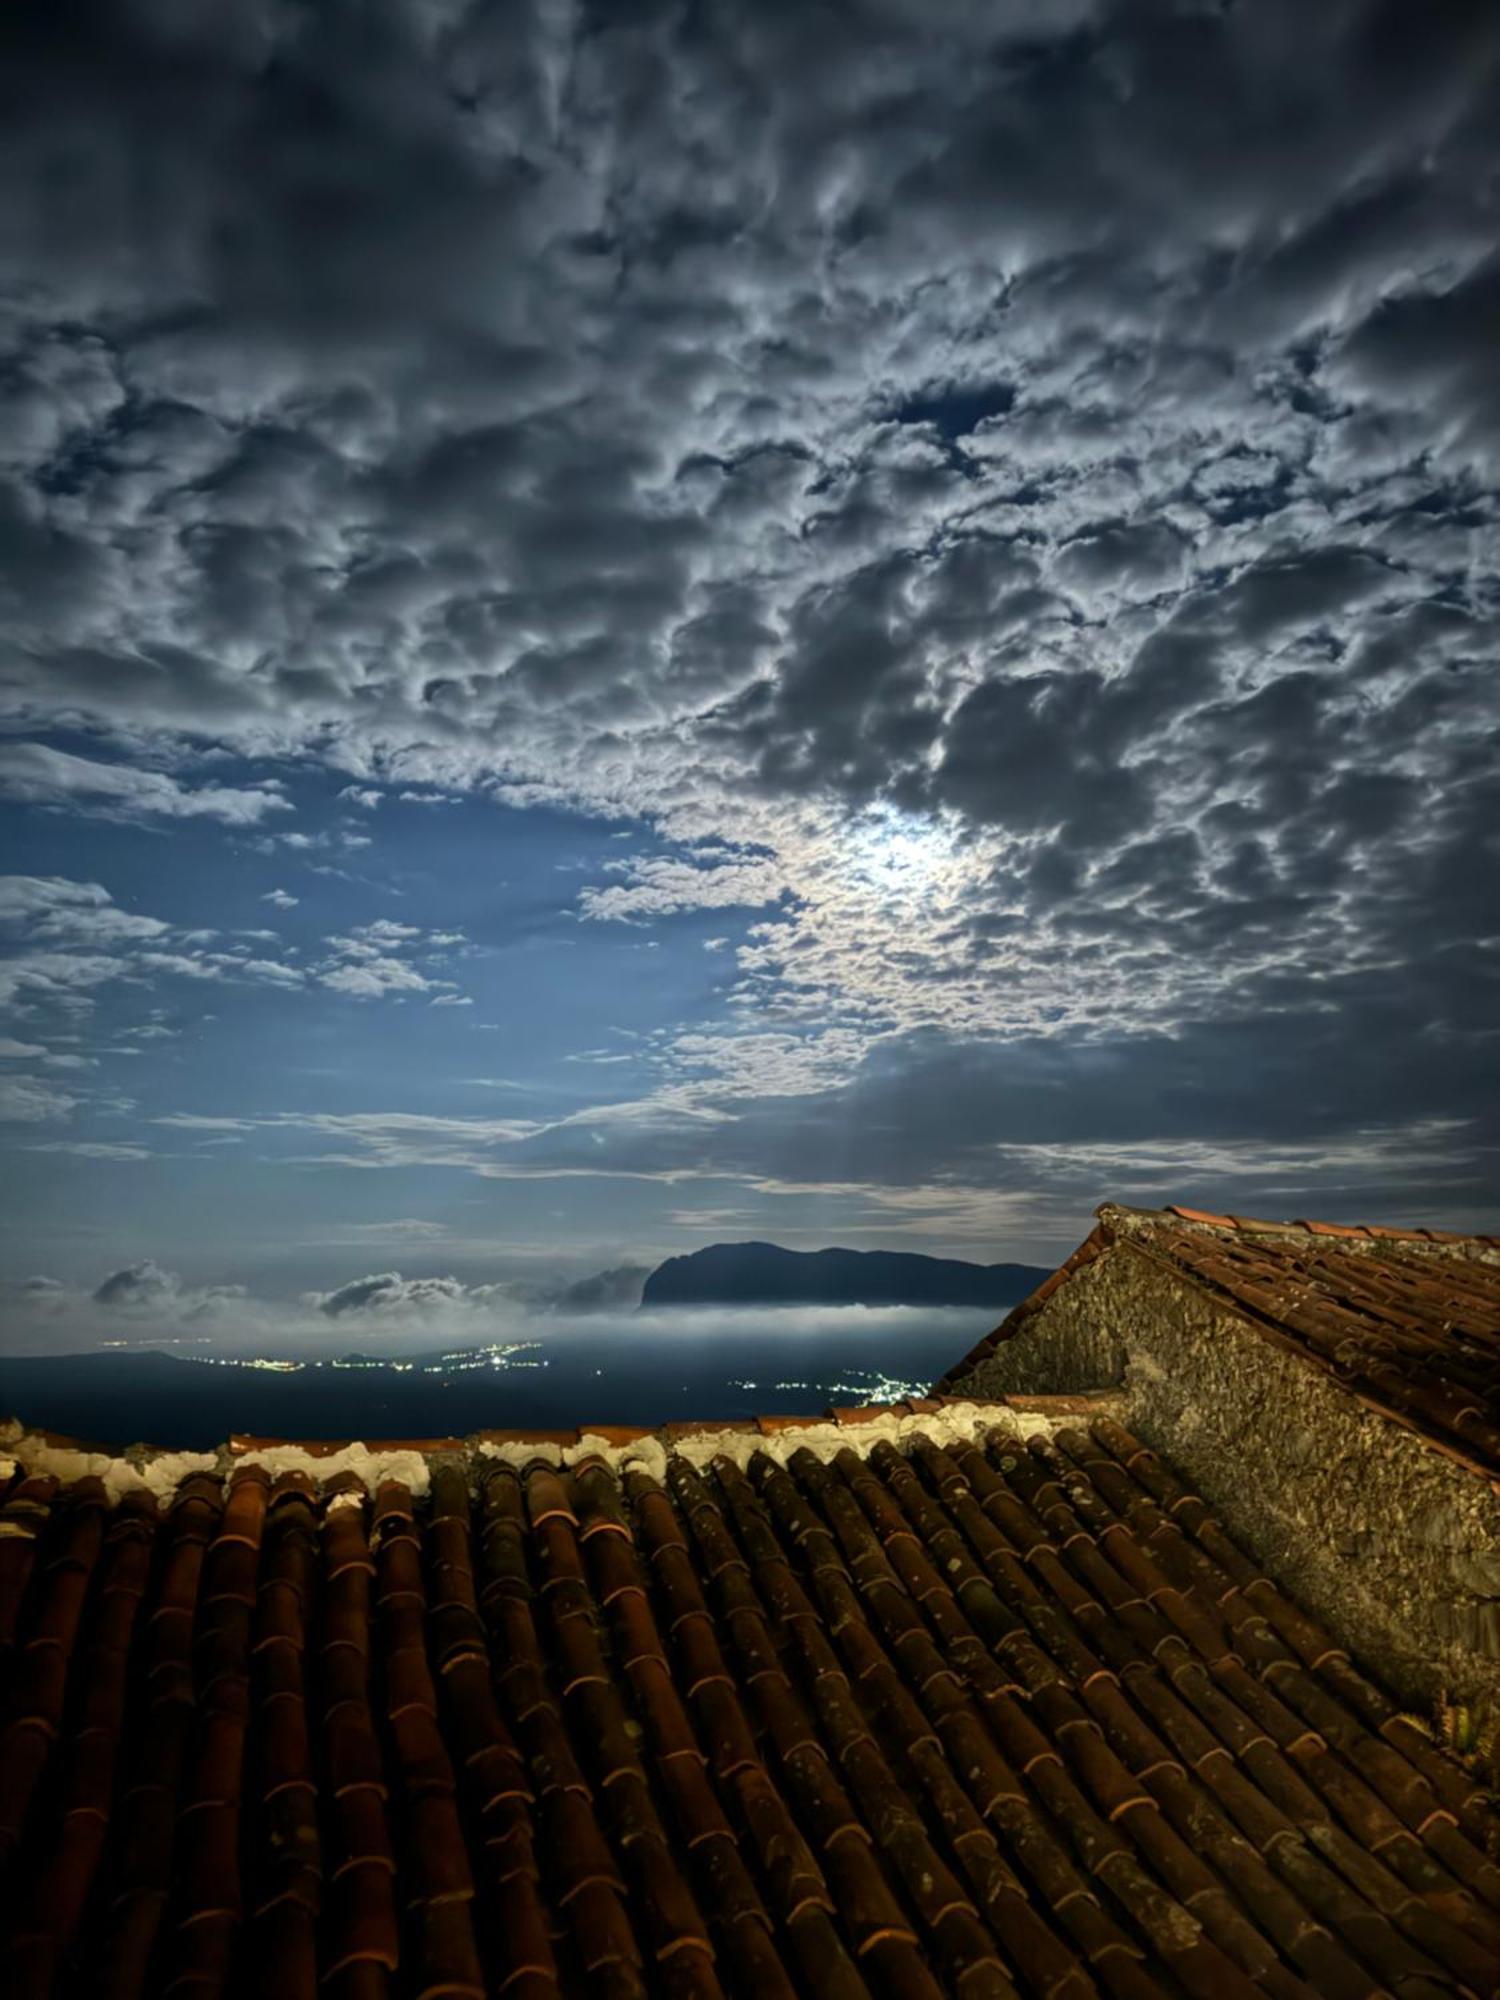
x=144, y=1307
x=1008, y=491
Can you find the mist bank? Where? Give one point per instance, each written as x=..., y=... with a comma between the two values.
x=386, y=1315
x=646, y=1369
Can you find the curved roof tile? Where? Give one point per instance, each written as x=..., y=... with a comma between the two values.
x=936, y=1713
x=1408, y=1319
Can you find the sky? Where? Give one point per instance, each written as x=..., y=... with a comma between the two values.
x=625, y=625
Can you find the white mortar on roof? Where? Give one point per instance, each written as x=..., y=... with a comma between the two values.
x=958, y=1423
x=519, y=1452
x=160, y=1473
x=368, y=1462
x=648, y=1455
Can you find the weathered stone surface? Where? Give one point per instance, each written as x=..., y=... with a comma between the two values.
x=1394, y=1545
x=1478, y=1572
x=1075, y=1343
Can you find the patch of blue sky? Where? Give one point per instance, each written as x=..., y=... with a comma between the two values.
x=214, y=1077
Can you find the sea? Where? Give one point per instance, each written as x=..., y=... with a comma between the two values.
x=621, y=1371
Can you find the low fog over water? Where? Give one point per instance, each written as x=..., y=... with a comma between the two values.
x=190, y=1379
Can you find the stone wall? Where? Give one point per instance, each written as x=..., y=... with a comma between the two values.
x=1394, y=1546
x=1072, y=1344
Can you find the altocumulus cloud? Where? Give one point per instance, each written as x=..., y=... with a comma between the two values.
x=1067, y=430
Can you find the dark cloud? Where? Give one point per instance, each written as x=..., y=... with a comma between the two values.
x=1273, y=1107
x=615, y=1290
x=1434, y=350
x=138, y=1287
x=389, y=1292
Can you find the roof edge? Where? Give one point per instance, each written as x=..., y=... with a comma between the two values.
x=1117, y=1220
x=351, y=1465
x=1270, y=1329
x=1256, y=1225
x=1093, y=1245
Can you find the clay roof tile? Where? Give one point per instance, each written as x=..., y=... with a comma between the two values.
x=546, y=1497
x=892, y=1715
x=1407, y=1319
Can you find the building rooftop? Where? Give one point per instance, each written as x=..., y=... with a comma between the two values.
x=1407, y=1319
x=902, y=1704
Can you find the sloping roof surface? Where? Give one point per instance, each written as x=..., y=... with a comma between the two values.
x=1409, y=1318
x=972, y=1719
x=1412, y=1317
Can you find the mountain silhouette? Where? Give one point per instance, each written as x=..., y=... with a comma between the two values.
x=763, y=1274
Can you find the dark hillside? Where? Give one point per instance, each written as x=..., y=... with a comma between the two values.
x=763, y=1274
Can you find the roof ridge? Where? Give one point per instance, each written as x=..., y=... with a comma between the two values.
x=1255, y=1225
x=1407, y=1321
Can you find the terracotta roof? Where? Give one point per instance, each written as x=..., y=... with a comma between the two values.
x=943, y=1717
x=1355, y=1232
x=1408, y=1318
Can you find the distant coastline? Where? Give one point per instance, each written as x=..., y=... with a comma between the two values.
x=742, y=1274
x=617, y=1370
